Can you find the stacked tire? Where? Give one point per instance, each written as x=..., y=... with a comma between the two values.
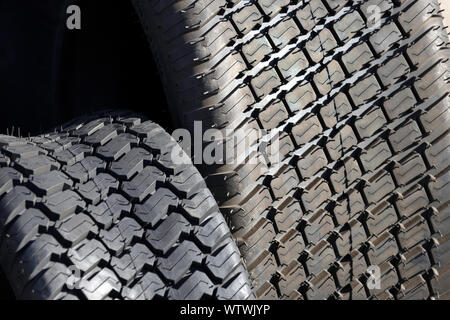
x=358, y=94
x=100, y=210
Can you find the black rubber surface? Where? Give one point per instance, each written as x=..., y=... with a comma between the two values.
x=361, y=107
x=100, y=210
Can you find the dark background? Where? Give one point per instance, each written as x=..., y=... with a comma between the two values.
x=50, y=75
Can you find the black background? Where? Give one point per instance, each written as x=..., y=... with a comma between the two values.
x=49, y=74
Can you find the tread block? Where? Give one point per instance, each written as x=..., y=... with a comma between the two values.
x=399, y=103
x=414, y=289
x=388, y=278
x=76, y=228
x=341, y=142
x=222, y=259
x=417, y=13
x=104, y=135
x=357, y=58
x=381, y=217
x=408, y=168
x=64, y=204
x=256, y=49
x=284, y=182
x=320, y=45
x=266, y=292
x=108, y=212
x=146, y=129
x=292, y=64
x=212, y=231
x=413, y=231
x=73, y=154
x=23, y=151
x=168, y=232
x=312, y=162
x=8, y=177
x=321, y=287
x=376, y=154
x=288, y=215
x=350, y=267
x=156, y=207
x=381, y=248
x=405, y=136
x=50, y=183
x=291, y=278
x=237, y=288
x=413, y=262
x=350, y=238
x=349, y=25
x=273, y=115
x=91, y=127
x=351, y=205
x=121, y=235
x=300, y=97
x=197, y=286
x=440, y=219
x=14, y=203
x=282, y=33
x=365, y=90
x=379, y=186
x=384, y=38
x=434, y=81
x=311, y=14
x=22, y=232
x=148, y=287
x=180, y=261
x=37, y=165
x=85, y=169
x=306, y=130
x=144, y=183
x=98, y=188
x=318, y=226
x=200, y=206
x=131, y=163
x=439, y=151
x=49, y=284
x=34, y=259
x=290, y=247
x=441, y=250
x=370, y=123
x=247, y=18
x=335, y=110
x=262, y=269
x=87, y=254
x=393, y=70
x=320, y=257
x=188, y=182
x=345, y=175
x=261, y=232
x=265, y=83
x=315, y=194
x=117, y=147
x=354, y=291
x=412, y=201
x=329, y=77
x=100, y=284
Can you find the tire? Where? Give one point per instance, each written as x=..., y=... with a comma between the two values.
x=362, y=113
x=98, y=210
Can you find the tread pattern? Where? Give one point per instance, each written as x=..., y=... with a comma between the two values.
x=98, y=211
x=364, y=110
